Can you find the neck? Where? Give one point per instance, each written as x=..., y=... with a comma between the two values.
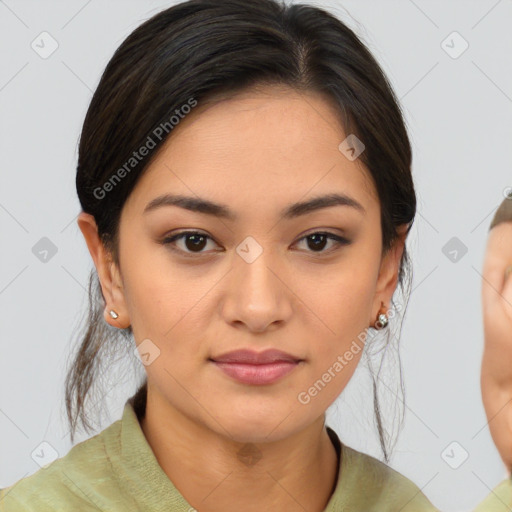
x=209, y=469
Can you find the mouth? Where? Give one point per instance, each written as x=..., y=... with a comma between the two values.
x=256, y=368
x=246, y=356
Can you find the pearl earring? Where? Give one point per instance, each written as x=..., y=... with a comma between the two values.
x=113, y=314
x=382, y=320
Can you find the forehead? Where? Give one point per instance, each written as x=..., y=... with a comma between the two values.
x=266, y=146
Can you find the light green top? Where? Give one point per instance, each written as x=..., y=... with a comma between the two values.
x=116, y=470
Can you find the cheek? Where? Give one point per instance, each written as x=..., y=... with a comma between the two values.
x=345, y=295
x=344, y=310
x=167, y=306
x=156, y=292
x=152, y=302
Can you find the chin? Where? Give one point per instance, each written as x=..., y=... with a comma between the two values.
x=257, y=428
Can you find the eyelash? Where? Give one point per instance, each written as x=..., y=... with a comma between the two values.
x=340, y=241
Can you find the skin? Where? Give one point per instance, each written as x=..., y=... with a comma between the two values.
x=256, y=153
x=496, y=369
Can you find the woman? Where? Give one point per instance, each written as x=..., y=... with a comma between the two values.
x=244, y=175
x=496, y=371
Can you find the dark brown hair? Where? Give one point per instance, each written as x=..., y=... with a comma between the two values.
x=198, y=50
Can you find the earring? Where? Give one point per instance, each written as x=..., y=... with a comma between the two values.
x=113, y=314
x=382, y=319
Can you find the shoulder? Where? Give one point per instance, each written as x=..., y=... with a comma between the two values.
x=80, y=480
x=499, y=499
x=378, y=487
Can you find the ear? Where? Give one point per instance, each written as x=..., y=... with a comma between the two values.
x=388, y=273
x=108, y=273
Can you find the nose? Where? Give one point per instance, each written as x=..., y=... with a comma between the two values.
x=257, y=294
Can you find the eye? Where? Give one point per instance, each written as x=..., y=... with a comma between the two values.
x=195, y=242
x=318, y=240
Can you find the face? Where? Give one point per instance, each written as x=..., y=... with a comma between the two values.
x=306, y=281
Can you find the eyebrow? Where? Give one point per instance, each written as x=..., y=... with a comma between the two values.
x=197, y=204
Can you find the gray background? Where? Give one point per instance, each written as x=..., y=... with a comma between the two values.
x=459, y=113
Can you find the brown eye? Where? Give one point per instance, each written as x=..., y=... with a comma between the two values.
x=316, y=242
x=192, y=241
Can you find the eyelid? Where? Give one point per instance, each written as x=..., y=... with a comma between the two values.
x=169, y=240
x=338, y=239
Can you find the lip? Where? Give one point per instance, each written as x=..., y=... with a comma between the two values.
x=256, y=368
x=246, y=356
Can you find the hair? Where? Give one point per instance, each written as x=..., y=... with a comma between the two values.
x=200, y=50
